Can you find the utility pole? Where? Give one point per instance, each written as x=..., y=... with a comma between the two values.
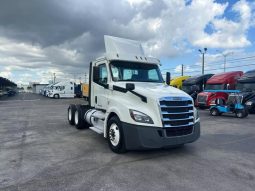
x=225, y=58
x=182, y=69
x=54, y=78
x=203, y=59
x=85, y=77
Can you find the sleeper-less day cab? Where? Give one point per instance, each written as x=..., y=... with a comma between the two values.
x=130, y=105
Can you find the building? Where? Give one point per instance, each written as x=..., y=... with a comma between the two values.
x=37, y=87
x=6, y=85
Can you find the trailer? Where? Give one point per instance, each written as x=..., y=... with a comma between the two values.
x=131, y=106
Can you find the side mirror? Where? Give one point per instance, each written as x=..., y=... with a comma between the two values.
x=227, y=86
x=130, y=86
x=168, y=78
x=95, y=73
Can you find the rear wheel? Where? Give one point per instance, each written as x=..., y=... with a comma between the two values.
x=241, y=113
x=214, y=112
x=70, y=113
x=79, y=121
x=115, y=135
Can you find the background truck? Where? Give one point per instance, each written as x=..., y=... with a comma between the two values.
x=130, y=105
x=78, y=90
x=195, y=84
x=246, y=84
x=222, y=81
x=178, y=81
x=85, y=91
x=63, y=89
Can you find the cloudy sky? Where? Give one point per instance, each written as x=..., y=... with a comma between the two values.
x=42, y=37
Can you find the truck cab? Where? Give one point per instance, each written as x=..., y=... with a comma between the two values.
x=195, y=84
x=246, y=84
x=222, y=81
x=130, y=105
x=62, y=90
x=178, y=81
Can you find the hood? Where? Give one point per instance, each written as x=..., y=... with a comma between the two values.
x=155, y=90
x=205, y=93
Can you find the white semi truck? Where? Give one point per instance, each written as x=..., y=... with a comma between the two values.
x=64, y=89
x=130, y=105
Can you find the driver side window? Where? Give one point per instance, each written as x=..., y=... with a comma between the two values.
x=103, y=75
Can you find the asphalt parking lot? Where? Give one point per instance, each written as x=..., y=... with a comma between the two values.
x=39, y=150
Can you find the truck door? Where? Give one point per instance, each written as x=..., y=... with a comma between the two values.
x=101, y=90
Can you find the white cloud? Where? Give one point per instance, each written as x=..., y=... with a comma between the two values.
x=166, y=28
x=232, y=33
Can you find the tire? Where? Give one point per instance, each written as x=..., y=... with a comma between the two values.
x=56, y=96
x=115, y=136
x=79, y=120
x=70, y=113
x=214, y=112
x=241, y=113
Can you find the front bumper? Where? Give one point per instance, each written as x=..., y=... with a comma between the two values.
x=144, y=137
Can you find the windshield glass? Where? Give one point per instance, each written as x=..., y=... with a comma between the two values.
x=186, y=88
x=245, y=87
x=137, y=72
x=214, y=87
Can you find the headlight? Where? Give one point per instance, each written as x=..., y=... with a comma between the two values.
x=196, y=114
x=140, y=117
x=248, y=103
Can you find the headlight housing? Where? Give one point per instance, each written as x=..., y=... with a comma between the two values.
x=196, y=114
x=140, y=117
x=248, y=103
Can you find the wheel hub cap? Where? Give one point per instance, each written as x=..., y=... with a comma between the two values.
x=76, y=118
x=69, y=114
x=114, y=134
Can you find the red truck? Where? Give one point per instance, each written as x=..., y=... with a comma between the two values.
x=222, y=81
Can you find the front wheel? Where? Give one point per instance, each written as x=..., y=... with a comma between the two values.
x=214, y=112
x=115, y=136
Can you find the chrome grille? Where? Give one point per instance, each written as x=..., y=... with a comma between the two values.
x=177, y=115
x=201, y=99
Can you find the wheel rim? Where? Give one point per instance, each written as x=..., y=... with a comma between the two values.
x=69, y=115
x=76, y=117
x=239, y=114
x=214, y=112
x=114, y=134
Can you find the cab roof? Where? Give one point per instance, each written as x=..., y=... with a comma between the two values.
x=248, y=77
x=178, y=79
x=224, y=77
x=125, y=50
x=197, y=79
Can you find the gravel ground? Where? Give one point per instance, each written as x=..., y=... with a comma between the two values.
x=39, y=150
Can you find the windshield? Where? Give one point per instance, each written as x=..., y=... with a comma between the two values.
x=214, y=87
x=244, y=87
x=137, y=72
x=186, y=88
